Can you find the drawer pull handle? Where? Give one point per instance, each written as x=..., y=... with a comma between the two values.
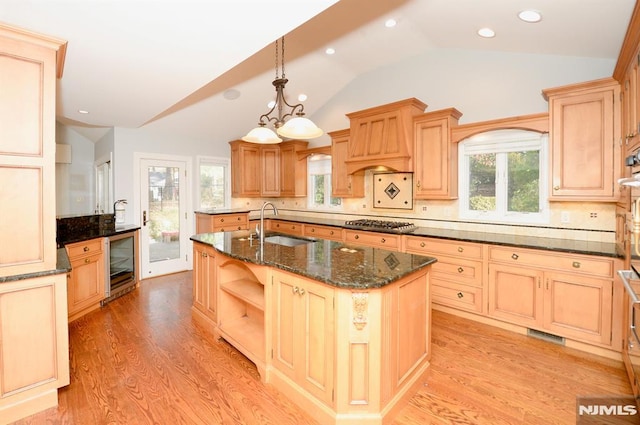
x=239, y=218
x=87, y=261
x=460, y=295
x=302, y=291
x=576, y=264
x=356, y=237
x=294, y=289
x=222, y=220
x=460, y=249
x=382, y=240
x=460, y=269
x=515, y=256
x=85, y=249
x=422, y=244
x=331, y=233
x=313, y=230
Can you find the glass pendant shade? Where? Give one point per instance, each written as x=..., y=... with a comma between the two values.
x=262, y=135
x=299, y=128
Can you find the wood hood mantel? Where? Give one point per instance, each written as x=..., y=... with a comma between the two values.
x=383, y=136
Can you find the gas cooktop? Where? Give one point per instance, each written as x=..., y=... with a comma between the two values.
x=380, y=226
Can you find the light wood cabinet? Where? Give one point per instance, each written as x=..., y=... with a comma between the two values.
x=585, y=141
x=268, y=170
x=383, y=136
x=457, y=278
x=435, y=156
x=567, y=295
x=86, y=281
x=323, y=232
x=206, y=223
x=204, y=281
x=343, y=184
x=304, y=333
x=289, y=227
x=388, y=241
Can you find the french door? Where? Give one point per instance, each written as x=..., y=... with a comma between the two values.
x=165, y=229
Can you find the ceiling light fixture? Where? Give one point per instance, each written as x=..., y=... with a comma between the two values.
x=295, y=128
x=531, y=16
x=486, y=32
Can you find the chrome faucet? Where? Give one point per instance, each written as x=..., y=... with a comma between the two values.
x=260, y=230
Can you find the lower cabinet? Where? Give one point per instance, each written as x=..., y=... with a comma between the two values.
x=34, y=345
x=86, y=281
x=206, y=223
x=304, y=333
x=204, y=281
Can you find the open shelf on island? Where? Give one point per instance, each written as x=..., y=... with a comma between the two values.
x=247, y=290
x=246, y=333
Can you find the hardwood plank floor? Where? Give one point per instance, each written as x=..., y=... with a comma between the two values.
x=142, y=360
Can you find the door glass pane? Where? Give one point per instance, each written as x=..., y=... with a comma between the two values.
x=482, y=182
x=164, y=213
x=523, y=183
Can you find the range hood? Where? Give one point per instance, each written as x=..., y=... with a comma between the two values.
x=382, y=137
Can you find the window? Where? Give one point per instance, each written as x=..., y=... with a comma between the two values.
x=503, y=177
x=319, y=184
x=214, y=187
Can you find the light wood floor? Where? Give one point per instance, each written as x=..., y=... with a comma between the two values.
x=141, y=360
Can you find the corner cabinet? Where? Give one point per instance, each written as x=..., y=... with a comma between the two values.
x=204, y=282
x=343, y=185
x=585, y=141
x=267, y=170
x=435, y=156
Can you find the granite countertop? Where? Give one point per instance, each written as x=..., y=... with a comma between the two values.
x=330, y=262
x=62, y=266
x=84, y=234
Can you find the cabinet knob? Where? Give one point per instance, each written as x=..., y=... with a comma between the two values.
x=302, y=291
x=576, y=264
x=222, y=220
x=556, y=187
x=460, y=269
x=460, y=249
x=515, y=256
x=239, y=218
x=85, y=249
x=422, y=244
x=331, y=233
x=294, y=289
x=418, y=184
x=313, y=230
x=356, y=237
x=87, y=261
x=204, y=254
x=460, y=295
x=383, y=240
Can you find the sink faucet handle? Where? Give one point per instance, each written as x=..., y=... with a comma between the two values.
x=258, y=229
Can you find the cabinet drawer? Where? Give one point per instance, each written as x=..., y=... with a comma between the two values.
x=420, y=245
x=379, y=240
x=80, y=249
x=323, y=232
x=574, y=263
x=457, y=296
x=289, y=227
x=457, y=270
x=228, y=222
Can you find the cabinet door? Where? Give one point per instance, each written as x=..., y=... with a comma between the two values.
x=584, y=148
x=245, y=169
x=270, y=166
x=435, y=158
x=343, y=185
x=204, y=290
x=86, y=282
x=578, y=307
x=515, y=294
x=303, y=333
x=293, y=172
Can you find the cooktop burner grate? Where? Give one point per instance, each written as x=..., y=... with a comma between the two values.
x=380, y=225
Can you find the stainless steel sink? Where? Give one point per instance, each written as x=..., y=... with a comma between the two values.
x=287, y=241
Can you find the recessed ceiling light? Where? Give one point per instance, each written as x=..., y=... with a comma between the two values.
x=530, y=16
x=302, y=97
x=231, y=94
x=330, y=50
x=82, y=111
x=390, y=23
x=486, y=32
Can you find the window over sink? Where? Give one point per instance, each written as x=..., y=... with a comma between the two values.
x=319, y=184
x=214, y=182
x=503, y=177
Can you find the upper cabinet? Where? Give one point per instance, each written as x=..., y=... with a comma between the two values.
x=383, y=136
x=29, y=64
x=344, y=185
x=585, y=141
x=435, y=157
x=268, y=170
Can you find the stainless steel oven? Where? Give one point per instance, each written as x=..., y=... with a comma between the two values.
x=121, y=262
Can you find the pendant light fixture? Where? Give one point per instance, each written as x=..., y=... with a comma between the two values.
x=297, y=127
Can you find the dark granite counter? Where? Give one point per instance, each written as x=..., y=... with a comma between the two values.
x=334, y=263
x=71, y=235
x=62, y=266
x=222, y=211
x=520, y=241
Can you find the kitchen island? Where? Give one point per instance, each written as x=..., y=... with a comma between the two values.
x=344, y=331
